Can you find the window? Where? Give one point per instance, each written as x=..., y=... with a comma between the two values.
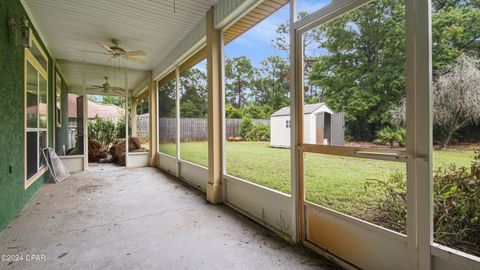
x=353, y=81
x=58, y=100
x=257, y=97
x=167, y=122
x=193, y=115
x=139, y=125
x=36, y=112
x=456, y=125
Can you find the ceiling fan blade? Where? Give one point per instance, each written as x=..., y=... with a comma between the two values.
x=105, y=47
x=111, y=60
x=133, y=53
x=117, y=89
x=85, y=51
x=134, y=60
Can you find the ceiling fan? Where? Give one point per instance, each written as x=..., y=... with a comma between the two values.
x=107, y=89
x=116, y=52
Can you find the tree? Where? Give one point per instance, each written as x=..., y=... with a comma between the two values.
x=362, y=65
x=455, y=30
x=359, y=63
x=238, y=74
x=193, y=92
x=456, y=97
x=312, y=93
x=167, y=99
x=271, y=84
x=115, y=100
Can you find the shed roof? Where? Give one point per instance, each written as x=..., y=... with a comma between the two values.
x=307, y=109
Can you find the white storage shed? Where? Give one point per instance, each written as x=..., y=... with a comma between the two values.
x=321, y=126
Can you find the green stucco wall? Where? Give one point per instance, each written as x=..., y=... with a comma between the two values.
x=13, y=196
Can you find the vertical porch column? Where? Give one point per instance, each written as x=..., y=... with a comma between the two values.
x=152, y=122
x=133, y=116
x=215, y=127
x=419, y=134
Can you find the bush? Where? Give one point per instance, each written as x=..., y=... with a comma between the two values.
x=245, y=126
x=232, y=112
x=456, y=195
x=258, y=132
x=106, y=131
x=258, y=112
x=389, y=136
x=103, y=131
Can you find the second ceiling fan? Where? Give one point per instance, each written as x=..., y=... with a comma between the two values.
x=116, y=52
x=106, y=88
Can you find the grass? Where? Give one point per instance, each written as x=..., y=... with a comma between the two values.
x=333, y=181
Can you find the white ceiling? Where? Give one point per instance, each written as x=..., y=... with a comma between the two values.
x=69, y=26
x=94, y=74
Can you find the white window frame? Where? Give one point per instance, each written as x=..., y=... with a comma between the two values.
x=418, y=155
x=29, y=58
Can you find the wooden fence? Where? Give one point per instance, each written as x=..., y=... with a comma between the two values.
x=191, y=129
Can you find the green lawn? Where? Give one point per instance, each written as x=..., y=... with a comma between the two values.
x=334, y=181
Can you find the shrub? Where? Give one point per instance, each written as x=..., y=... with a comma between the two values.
x=258, y=132
x=106, y=131
x=258, y=112
x=389, y=136
x=245, y=126
x=103, y=131
x=391, y=212
x=232, y=112
x=456, y=195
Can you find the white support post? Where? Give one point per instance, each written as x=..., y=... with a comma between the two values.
x=85, y=130
x=126, y=119
x=222, y=110
x=215, y=188
x=419, y=134
x=153, y=121
x=177, y=101
x=85, y=122
x=293, y=127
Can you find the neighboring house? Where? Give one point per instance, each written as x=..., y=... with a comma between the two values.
x=105, y=111
x=321, y=126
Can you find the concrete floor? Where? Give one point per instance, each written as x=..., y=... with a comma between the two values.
x=114, y=218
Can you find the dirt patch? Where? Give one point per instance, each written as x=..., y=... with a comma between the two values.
x=88, y=188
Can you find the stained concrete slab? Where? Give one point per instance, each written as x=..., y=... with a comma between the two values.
x=117, y=218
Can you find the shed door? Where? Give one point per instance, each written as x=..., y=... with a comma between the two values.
x=319, y=127
x=338, y=128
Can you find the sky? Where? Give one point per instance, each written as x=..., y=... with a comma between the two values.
x=256, y=43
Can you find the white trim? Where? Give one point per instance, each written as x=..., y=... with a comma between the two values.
x=184, y=57
x=235, y=15
x=293, y=127
x=460, y=258
x=35, y=25
x=359, y=222
x=177, y=118
x=41, y=72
